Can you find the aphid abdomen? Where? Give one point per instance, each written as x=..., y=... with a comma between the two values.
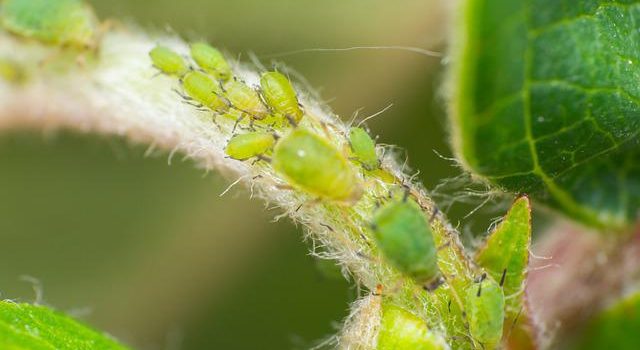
x=245, y=99
x=405, y=238
x=364, y=148
x=168, y=61
x=204, y=90
x=249, y=145
x=211, y=60
x=280, y=95
x=484, y=306
x=312, y=164
x=57, y=22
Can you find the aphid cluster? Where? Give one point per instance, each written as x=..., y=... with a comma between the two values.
x=272, y=127
x=269, y=118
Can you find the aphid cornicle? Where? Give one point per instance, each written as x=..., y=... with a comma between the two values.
x=245, y=99
x=211, y=60
x=168, y=61
x=204, y=90
x=312, y=164
x=402, y=330
x=364, y=148
x=249, y=145
x=56, y=22
x=280, y=95
x=405, y=238
x=484, y=306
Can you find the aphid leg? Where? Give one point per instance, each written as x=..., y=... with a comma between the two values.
x=327, y=227
x=433, y=215
x=405, y=196
x=235, y=125
x=445, y=245
x=479, y=289
x=449, y=306
x=291, y=120
x=433, y=285
x=284, y=187
x=264, y=158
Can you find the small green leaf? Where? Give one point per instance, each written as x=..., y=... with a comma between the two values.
x=615, y=328
x=547, y=102
x=507, y=251
x=30, y=327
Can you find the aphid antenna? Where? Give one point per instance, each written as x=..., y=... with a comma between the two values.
x=354, y=116
x=515, y=321
x=256, y=61
x=418, y=50
x=375, y=114
x=449, y=306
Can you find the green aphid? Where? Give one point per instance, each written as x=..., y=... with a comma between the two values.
x=280, y=96
x=402, y=330
x=405, y=238
x=56, y=22
x=245, y=99
x=312, y=164
x=211, y=60
x=168, y=61
x=484, y=306
x=204, y=90
x=249, y=145
x=364, y=148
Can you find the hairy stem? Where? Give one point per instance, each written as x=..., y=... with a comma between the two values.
x=116, y=91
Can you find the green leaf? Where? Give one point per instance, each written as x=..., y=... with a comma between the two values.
x=31, y=327
x=546, y=102
x=615, y=328
x=506, y=251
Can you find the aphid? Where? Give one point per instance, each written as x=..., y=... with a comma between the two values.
x=245, y=99
x=364, y=148
x=484, y=306
x=249, y=145
x=204, y=90
x=280, y=96
x=402, y=330
x=405, y=238
x=56, y=22
x=211, y=60
x=168, y=61
x=310, y=163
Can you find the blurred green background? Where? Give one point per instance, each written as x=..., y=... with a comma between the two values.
x=149, y=251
